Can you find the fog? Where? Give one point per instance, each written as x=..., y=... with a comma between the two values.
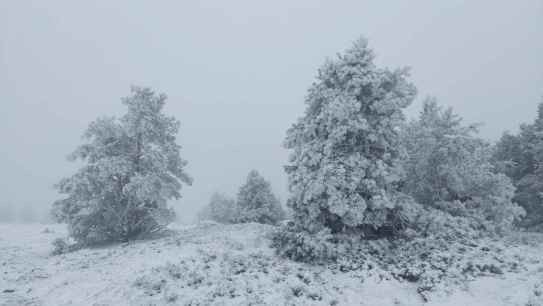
x=236, y=73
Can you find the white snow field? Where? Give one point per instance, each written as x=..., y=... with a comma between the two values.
x=210, y=264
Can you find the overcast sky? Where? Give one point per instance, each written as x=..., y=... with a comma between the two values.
x=236, y=73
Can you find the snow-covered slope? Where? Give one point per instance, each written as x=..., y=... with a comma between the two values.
x=210, y=264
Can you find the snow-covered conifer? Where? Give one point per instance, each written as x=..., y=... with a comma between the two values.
x=220, y=209
x=343, y=168
x=449, y=167
x=520, y=156
x=257, y=203
x=132, y=167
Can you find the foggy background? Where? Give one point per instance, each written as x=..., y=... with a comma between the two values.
x=236, y=73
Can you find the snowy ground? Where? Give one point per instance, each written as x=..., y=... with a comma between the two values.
x=212, y=264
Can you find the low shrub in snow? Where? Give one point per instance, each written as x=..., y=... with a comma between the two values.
x=214, y=277
x=295, y=242
x=62, y=246
x=209, y=277
x=536, y=299
x=300, y=245
x=47, y=231
x=435, y=250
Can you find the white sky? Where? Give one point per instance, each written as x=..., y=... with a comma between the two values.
x=236, y=73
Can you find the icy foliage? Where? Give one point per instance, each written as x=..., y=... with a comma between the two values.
x=521, y=158
x=443, y=250
x=299, y=245
x=257, y=203
x=343, y=168
x=449, y=167
x=220, y=209
x=131, y=168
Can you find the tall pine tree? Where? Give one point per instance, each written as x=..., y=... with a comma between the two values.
x=345, y=151
x=132, y=167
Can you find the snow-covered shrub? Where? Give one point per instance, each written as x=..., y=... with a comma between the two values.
x=220, y=209
x=302, y=246
x=344, y=169
x=47, y=231
x=62, y=246
x=536, y=298
x=435, y=261
x=131, y=168
x=431, y=223
x=414, y=221
x=448, y=167
x=436, y=251
x=257, y=203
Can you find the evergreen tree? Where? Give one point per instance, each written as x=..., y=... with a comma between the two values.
x=257, y=203
x=344, y=166
x=220, y=209
x=449, y=167
x=132, y=167
x=521, y=158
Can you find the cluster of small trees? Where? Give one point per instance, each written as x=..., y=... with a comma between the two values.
x=132, y=167
x=356, y=168
x=449, y=168
x=255, y=203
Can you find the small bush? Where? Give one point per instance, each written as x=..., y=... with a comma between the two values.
x=47, y=231
x=435, y=249
x=536, y=298
x=302, y=246
x=296, y=243
x=62, y=246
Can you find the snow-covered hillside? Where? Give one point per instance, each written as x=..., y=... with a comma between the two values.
x=210, y=264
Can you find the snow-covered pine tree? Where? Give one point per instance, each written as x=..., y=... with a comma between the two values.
x=257, y=203
x=520, y=156
x=448, y=167
x=220, y=209
x=436, y=143
x=344, y=164
x=132, y=167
